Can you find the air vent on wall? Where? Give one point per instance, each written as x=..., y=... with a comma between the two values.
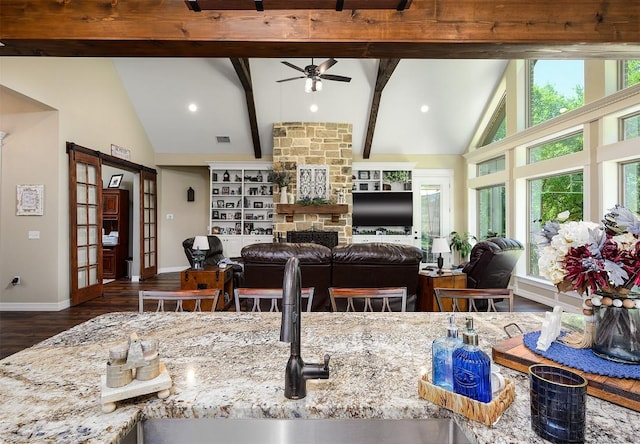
x=223, y=139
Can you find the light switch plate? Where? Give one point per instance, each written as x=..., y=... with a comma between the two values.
x=34, y=235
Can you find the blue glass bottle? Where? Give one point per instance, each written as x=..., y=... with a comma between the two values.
x=442, y=356
x=471, y=368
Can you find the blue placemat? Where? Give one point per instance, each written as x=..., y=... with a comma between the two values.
x=581, y=358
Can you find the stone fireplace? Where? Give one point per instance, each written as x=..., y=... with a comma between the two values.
x=315, y=143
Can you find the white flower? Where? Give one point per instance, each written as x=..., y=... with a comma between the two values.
x=575, y=234
x=563, y=216
x=550, y=264
x=625, y=241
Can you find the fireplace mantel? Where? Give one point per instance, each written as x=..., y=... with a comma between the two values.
x=335, y=210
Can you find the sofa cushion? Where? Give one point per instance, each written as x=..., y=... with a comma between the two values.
x=279, y=253
x=377, y=253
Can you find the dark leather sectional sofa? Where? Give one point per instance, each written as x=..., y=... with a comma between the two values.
x=354, y=265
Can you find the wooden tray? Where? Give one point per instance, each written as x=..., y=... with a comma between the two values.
x=514, y=354
x=486, y=413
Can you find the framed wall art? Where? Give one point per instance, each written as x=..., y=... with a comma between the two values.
x=115, y=181
x=30, y=200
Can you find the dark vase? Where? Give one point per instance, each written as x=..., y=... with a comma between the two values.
x=617, y=333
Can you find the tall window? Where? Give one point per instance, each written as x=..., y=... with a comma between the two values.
x=630, y=126
x=556, y=148
x=630, y=73
x=491, y=166
x=548, y=197
x=555, y=87
x=497, y=127
x=491, y=212
x=631, y=186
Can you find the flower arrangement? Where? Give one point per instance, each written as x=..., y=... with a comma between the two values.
x=604, y=260
x=586, y=256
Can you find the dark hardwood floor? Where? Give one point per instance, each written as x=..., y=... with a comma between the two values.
x=22, y=329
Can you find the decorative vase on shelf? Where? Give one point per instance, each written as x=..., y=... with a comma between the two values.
x=617, y=328
x=283, y=195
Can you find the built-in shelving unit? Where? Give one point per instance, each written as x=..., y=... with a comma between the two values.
x=241, y=204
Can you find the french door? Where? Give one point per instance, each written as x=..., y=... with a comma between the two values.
x=85, y=216
x=432, y=209
x=148, y=216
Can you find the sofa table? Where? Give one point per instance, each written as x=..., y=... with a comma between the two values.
x=428, y=280
x=210, y=277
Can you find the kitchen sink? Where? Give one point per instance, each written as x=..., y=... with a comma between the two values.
x=301, y=431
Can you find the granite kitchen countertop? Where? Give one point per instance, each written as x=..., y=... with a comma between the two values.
x=231, y=365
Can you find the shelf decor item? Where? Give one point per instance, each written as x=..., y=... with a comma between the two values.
x=396, y=179
x=282, y=178
x=603, y=260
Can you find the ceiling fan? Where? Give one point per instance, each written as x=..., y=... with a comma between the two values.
x=315, y=74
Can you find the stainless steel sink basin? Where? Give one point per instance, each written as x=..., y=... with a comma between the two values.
x=302, y=431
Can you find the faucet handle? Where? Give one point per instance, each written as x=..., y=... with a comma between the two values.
x=326, y=362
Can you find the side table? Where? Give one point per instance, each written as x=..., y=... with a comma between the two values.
x=210, y=277
x=428, y=280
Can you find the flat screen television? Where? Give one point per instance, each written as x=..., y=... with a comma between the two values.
x=382, y=209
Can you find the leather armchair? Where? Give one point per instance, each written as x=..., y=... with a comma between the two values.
x=212, y=255
x=491, y=262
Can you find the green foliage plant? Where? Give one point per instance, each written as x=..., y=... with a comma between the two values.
x=282, y=178
x=461, y=242
x=396, y=176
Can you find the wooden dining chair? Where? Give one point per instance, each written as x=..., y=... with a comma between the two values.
x=449, y=299
x=274, y=295
x=179, y=296
x=364, y=299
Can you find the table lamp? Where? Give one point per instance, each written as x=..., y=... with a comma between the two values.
x=200, y=245
x=440, y=245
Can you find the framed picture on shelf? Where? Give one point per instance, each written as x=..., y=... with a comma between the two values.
x=215, y=214
x=220, y=203
x=215, y=191
x=248, y=216
x=364, y=187
x=229, y=205
x=363, y=175
x=225, y=190
x=223, y=216
x=215, y=229
x=237, y=215
x=248, y=228
x=269, y=215
x=238, y=227
x=257, y=205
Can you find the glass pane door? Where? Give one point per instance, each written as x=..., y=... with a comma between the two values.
x=149, y=248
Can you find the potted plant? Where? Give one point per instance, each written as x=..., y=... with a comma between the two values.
x=396, y=177
x=461, y=243
x=282, y=178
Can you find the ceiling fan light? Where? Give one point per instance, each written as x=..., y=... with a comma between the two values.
x=308, y=85
x=317, y=85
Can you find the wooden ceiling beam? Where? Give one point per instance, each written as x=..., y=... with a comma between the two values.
x=243, y=70
x=443, y=29
x=385, y=70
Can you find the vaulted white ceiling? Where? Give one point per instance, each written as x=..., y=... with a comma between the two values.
x=456, y=92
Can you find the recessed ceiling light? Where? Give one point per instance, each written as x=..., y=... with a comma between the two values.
x=424, y=108
x=193, y=107
x=313, y=108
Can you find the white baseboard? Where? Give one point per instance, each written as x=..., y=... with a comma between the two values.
x=34, y=306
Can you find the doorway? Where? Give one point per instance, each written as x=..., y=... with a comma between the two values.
x=432, y=210
x=87, y=205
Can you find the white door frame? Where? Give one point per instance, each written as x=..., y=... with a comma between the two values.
x=444, y=178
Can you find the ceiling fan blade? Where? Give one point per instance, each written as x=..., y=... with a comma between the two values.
x=336, y=78
x=291, y=65
x=326, y=65
x=291, y=78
